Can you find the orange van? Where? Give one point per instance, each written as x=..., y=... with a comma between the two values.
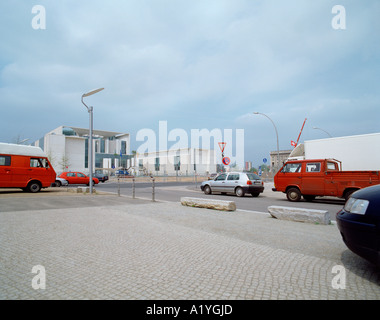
x=25, y=167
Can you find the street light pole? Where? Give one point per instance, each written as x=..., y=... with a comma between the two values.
x=323, y=131
x=278, y=149
x=90, y=111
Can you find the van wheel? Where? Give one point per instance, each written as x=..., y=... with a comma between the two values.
x=207, y=190
x=293, y=195
x=239, y=192
x=34, y=187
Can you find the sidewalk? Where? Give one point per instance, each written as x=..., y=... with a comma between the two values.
x=154, y=250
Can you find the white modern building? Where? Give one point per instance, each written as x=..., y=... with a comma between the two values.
x=182, y=162
x=67, y=149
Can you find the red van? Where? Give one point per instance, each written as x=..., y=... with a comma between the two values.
x=25, y=167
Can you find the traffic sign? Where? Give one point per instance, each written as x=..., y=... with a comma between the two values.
x=265, y=160
x=226, y=161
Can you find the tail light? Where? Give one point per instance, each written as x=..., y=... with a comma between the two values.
x=249, y=182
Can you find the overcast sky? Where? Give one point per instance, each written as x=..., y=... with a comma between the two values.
x=195, y=64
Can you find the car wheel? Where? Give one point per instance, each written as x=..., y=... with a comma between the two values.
x=34, y=187
x=58, y=183
x=239, y=192
x=207, y=190
x=293, y=195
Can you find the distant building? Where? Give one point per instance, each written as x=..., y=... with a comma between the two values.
x=185, y=161
x=248, y=166
x=67, y=149
x=284, y=155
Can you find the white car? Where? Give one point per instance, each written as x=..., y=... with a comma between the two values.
x=60, y=182
x=238, y=183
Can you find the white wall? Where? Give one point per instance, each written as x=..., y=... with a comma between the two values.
x=361, y=152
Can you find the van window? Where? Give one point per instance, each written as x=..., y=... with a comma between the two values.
x=5, y=160
x=313, y=167
x=331, y=166
x=39, y=163
x=292, y=167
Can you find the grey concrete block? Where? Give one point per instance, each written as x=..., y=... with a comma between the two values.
x=300, y=214
x=209, y=204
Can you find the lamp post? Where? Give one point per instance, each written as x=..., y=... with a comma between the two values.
x=278, y=149
x=90, y=111
x=323, y=131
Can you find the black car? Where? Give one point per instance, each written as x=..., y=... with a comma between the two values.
x=102, y=177
x=359, y=223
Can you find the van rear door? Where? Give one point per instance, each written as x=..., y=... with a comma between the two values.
x=5, y=171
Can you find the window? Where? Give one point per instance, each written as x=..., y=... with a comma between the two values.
x=233, y=176
x=70, y=174
x=5, y=160
x=221, y=177
x=38, y=163
x=157, y=164
x=80, y=175
x=331, y=166
x=253, y=176
x=313, y=167
x=292, y=167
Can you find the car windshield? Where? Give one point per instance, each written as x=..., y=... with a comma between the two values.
x=253, y=176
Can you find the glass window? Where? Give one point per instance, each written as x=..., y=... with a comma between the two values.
x=331, y=166
x=233, y=176
x=253, y=176
x=313, y=167
x=221, y=177
x=5, y=160
x=292, y=167
x=71, y=174
x=80, y=175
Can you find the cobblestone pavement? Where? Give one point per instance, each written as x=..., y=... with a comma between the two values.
x=154, y=250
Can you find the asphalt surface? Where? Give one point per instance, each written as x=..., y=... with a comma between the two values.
x=103, y=246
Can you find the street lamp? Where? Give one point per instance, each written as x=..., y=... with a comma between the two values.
x=323, y=131
x=90, y=109
x=278, y=149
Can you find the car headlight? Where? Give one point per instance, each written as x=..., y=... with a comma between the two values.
x=358, y=206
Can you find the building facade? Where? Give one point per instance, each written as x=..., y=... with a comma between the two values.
x=275, y=164
x=184, y=162
x=67, y=149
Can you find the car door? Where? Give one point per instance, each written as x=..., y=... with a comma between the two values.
x=219, y=183
x=232, y=182
x=82, y=178
x=313, y=180
x=5, y=171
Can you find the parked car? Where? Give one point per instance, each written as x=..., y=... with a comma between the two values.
x=122, y=173
x=238, y=183
x=78, y=178
x=359, y=223
x=60, y=182
x=102, y=177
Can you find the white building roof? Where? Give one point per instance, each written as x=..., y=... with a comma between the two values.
x=18, y=149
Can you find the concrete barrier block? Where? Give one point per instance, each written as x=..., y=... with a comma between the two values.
x=300, y=214
x=208, y=203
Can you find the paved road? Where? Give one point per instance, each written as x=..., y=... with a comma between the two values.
x=173, y=191
x=110, y=247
